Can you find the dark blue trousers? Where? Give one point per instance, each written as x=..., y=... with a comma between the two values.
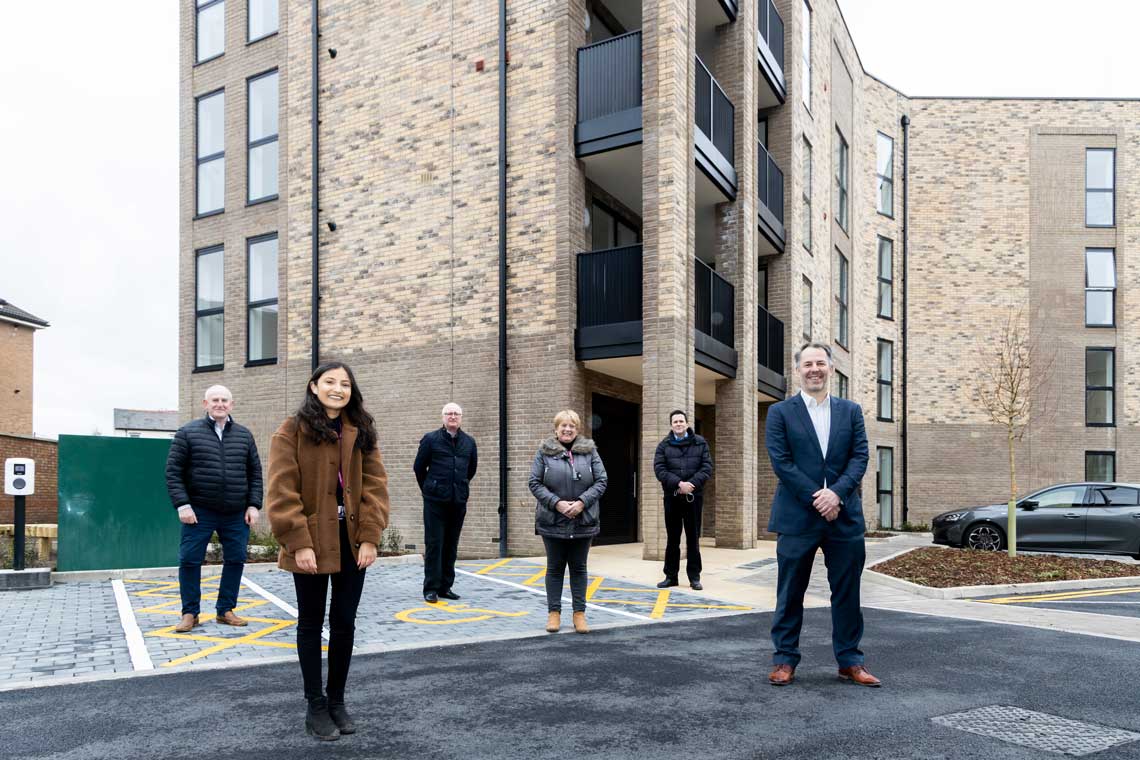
x=844, y=558
x=234, y=535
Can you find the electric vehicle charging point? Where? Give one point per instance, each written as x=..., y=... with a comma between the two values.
x=19, y=483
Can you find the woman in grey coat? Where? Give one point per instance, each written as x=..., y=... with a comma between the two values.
x=567, y=480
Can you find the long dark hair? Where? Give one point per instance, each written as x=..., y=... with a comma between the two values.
x=315, y=422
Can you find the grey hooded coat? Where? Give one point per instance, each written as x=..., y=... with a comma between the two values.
x=561, y=475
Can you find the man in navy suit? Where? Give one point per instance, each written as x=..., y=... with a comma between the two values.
x=818, y=448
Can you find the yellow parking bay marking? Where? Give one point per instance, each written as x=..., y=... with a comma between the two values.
x=489, y=568
x=470, y=614
x=1061, y=595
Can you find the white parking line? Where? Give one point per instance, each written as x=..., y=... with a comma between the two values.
x=140, y=658
x=255, y=588
x=591, y=605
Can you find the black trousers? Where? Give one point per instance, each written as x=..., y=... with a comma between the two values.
x=312, y=591
x=443, y=522
x=561, y=552
x=682, y=513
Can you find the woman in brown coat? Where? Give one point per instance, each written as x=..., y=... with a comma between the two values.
x=327, y=506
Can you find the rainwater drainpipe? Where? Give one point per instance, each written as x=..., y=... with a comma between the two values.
x=316, y=199
x=503, y=451
x=905, y=209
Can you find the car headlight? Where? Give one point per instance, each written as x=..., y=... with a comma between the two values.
x=952, y=517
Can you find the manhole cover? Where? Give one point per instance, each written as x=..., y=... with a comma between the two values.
x=1036, y=730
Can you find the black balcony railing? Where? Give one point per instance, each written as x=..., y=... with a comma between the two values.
x=771, y=28
x=769, y=182
x=715, y=113
x=769, y=341
x=609, y=76
x=715, y=305
x=609, y=286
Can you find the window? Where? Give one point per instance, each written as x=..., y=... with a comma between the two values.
x=886, y=278
x=1100, y=287
x=1116, y=497
x=841, y=169
x=261, y=324
x=841, y=297
x=885, y=486
x=1100, y=466
x=209, y=317
x=1069, y=496
x=210, y=29
x=211, y=153
x=262, y=132
x=805, y=59
x=262, y=19
x=807, y=195
x=607, y=230
x=886, y=380
x=1100, y=183
x=807, y=309
x=1100, y=387
x=762, y=131
x=841, y=389
x=762, y=285
x=885, y=174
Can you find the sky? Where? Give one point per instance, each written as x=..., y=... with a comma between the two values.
x=89, y=160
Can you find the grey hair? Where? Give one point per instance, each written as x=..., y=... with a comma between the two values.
x=210, y=391
x=821, y=346
x=450, y=404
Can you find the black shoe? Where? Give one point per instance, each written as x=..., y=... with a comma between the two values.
x=695, y=584
x=318, y=723
x=340, y=717
x=449, y=594
x=670, y=580
x=431, y=597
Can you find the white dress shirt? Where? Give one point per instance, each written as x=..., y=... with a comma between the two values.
x=820, y=413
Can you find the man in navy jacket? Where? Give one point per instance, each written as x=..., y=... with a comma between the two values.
x=445, y=465
x=818, y=448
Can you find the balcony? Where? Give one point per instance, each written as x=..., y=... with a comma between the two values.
x=715, y=148
x=609, y=95
x=770, y=209
x=713, y=13
x=714, y=323
x=609, y=304
x=770, y=378
x=770, y=55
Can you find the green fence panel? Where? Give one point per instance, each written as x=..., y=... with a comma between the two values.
x=114, y=511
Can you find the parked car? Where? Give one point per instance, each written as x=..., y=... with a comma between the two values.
x=1090, y=518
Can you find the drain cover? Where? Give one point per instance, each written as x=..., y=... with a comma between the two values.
x=1036, y=730
x=757, y=564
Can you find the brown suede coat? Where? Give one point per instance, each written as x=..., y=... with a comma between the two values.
x=301, y=499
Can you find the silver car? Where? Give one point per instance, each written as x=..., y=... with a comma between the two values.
x=1089, y=518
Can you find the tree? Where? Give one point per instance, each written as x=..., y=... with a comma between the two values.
x=1009, y=387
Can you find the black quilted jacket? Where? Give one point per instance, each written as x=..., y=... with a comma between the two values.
x=208, y=473
x=684, y=460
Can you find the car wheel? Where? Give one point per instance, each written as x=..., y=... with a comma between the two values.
x=984, y=537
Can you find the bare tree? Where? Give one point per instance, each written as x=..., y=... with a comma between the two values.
x=1009, y=387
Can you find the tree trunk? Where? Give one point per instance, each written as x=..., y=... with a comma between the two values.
x=1011, y=540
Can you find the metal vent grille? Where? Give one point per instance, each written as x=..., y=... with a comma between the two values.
x=1050, y=733
x=757, y=564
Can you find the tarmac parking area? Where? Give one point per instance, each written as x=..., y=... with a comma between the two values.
x=1118, y=602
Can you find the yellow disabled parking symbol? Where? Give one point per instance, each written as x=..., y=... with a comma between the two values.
x=429, y=614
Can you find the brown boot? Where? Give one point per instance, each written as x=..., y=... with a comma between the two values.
x=186, y=624
x=782, y=675
x=580, y=623
x=230, y=619
x=553, y=622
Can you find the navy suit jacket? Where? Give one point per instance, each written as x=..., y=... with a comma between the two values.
x=793, y=448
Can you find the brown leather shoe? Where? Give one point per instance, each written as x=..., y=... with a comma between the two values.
x=580, y=623
x=230, y=619
x=553, y=622
x=186, y=624
x=858, y=674
x=782, y=675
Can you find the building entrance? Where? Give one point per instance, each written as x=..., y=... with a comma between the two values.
x=616, y=425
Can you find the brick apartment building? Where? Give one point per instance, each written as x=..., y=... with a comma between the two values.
x=692, y=189
x=17, y=361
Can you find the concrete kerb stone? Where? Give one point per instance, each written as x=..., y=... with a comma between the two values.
x=150, y=573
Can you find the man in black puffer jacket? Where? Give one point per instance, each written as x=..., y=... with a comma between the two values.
x=683, y=465
x=213, y=475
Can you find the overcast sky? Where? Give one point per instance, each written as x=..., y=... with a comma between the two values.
x=89, y=146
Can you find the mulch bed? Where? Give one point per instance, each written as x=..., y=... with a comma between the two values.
x=944, y=568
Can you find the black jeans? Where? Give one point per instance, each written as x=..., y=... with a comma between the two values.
x=311, y=594
x=443, y=522
x=561, y=552
x=680, y=512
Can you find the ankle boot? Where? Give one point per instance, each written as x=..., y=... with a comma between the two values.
x=318, y=723
x=580, y=623
x=553, y=622
x=341, y=718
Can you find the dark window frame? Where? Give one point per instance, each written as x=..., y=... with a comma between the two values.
x=809, y=153
x=200, y=6
x=250, y=305
x=617, y=217
x=1098, y=289
x=810, y=309
x=249, y=40
x=889, y=180
x=762, y=273
x=843, y=299
x=1111, y=351
x=806, y=6
x=879, y=491
x=198, y=160
x=250, y=145
x=889, y=383
x=1110, y=190
x=199, y=313
x=889, y=280
x=843, y=383
x=842, y=210
x=1112, y=457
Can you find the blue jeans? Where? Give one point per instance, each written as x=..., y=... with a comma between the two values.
x=234, y=535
